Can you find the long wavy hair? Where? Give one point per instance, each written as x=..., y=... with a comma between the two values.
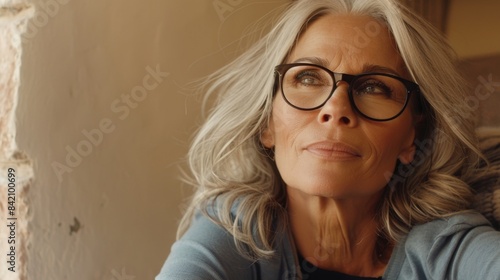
x=236, y=177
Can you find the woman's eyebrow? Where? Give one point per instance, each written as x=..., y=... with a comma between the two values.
x=367, y=67
x=313, y=59
x=379, y=69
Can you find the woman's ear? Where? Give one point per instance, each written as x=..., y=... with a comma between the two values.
x=408, y=154
x=267, y=137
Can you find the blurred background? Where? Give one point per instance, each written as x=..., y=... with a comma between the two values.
x=106, y=113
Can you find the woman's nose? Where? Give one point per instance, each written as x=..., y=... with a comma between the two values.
x=338, y=108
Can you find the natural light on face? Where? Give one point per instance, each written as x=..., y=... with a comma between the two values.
x=333, y=151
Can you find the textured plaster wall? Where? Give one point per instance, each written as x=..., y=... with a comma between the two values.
x=106, y=115
x=15, y=167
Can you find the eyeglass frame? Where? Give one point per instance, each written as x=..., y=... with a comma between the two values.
x=280, y=71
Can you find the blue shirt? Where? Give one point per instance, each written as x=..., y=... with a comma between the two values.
x=463, y=246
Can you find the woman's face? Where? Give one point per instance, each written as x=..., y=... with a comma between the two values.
x=332, y=151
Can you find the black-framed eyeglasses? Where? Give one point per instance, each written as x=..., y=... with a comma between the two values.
x=376, y=96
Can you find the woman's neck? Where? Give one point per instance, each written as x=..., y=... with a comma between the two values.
x=340, y=235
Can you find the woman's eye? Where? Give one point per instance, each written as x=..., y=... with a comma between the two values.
x=308, y=78
x=374, y=88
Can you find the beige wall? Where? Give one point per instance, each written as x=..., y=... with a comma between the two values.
x=106, y=135
x=473, y=27
x=473, y=30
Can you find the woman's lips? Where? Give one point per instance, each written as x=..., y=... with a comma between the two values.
x=333, y=150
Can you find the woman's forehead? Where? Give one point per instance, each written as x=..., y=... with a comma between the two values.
x=348, y=41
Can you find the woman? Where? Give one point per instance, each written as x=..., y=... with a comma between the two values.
x=337, y=149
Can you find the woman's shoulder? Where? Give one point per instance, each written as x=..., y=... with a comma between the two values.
x=461, y=246
x=207, y=250
x=456, y=232
x=449, y=226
